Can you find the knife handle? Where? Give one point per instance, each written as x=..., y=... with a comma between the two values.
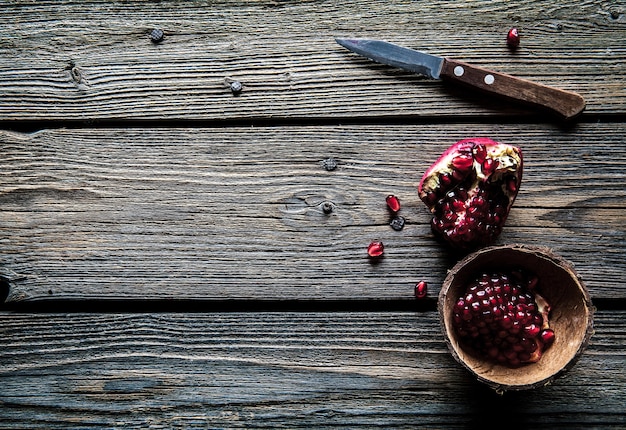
x=565, y=103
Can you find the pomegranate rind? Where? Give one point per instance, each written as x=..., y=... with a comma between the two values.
x=470, y=190
x=571, y=314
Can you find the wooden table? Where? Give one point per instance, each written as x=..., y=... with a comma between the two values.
x=175, y=255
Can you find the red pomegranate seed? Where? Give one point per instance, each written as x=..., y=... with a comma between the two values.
x=532, y=330
x=421, y=289
x=463, y=162
x=547, y=337
x=393, y=203
x=512, y=38
x=489, y=166
x=480, y=153
x=375, y=249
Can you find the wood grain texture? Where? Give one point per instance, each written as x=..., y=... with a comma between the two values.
x=249, y=370
x=237, y=213
x=214, y=198
x=57, y=62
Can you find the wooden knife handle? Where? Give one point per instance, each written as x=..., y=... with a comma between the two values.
x=566, y=104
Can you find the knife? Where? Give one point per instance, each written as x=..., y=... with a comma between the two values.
x=564, y=103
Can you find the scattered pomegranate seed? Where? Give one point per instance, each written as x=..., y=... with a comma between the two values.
x=393, y=203
x=498, y=318
x=421, y=289
x=375, y=249
x=512, y=38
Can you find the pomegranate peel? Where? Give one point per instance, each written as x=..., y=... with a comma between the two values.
x=470, y=190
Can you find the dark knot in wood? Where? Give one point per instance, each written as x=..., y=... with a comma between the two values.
x=327, y=207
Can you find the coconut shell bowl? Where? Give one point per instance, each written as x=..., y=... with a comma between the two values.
x=556, y=282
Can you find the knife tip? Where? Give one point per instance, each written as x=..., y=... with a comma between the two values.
x=345, y=42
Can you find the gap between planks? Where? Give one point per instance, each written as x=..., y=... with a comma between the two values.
x=135, y=306
x=33, y=127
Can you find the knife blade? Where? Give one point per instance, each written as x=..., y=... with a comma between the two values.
x=566, y=104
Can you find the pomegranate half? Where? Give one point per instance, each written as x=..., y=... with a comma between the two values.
x=470, y=190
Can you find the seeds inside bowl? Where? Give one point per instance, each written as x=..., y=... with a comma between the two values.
x=501, y=317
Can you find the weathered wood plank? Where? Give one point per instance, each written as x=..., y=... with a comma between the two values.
x=237, y=212
x=59, y=63
x=291, y=369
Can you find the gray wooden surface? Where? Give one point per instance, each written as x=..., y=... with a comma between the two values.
x=238, y=212
x=94, y=60
x=165, y=257
x=345, y=369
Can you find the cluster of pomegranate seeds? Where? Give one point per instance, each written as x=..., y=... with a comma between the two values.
x=375, y=249
x=502, y=318
x=470, y=190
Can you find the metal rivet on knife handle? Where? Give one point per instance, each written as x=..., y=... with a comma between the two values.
x=565, y=103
